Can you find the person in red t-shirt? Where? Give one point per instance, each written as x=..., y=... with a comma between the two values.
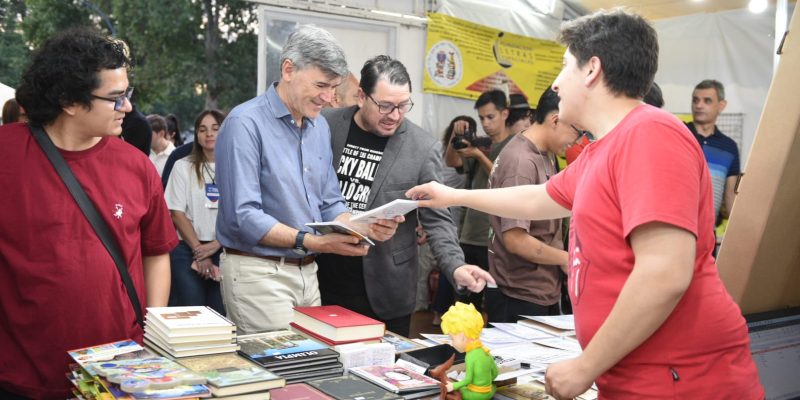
x=651, y=312
x=60, y=288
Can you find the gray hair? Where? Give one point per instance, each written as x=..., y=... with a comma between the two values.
x=314, y=46
x=712, y=84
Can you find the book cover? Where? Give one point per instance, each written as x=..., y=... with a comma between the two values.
x=387, y=211
x=338, y=227
x=115, y=351
x=350, y=387
x=187, y=320
x=138, y=375
x=400, y=343
x=298, y=391
x=395, y=379
x=337, y=324
x=283, y=347
x=230, y=374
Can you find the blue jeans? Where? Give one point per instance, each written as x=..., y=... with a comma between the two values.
x=188, y=288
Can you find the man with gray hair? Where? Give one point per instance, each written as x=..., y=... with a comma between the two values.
x=274, y=171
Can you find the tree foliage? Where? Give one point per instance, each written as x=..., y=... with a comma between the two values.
x=187, y=54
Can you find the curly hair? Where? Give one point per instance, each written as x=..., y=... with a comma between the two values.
x=462, y=318
x=64, y=71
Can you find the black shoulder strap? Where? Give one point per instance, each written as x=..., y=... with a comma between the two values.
x=91, y=214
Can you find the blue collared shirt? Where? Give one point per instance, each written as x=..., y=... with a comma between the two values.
x=270, y=171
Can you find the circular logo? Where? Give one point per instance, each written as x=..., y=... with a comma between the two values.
x=444, y=64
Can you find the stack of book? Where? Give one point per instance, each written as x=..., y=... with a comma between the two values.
x=291, y=355
x=230, y=376
x=188, y=331
x=125, y=370
x=337, y=325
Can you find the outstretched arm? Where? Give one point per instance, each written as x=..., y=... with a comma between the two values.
x=520, y=202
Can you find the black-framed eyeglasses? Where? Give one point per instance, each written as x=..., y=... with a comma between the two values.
x=580, y=132
x=118, y=101
x=388, y=108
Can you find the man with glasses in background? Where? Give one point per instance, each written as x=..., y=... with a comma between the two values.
x=378, y=155
x=61, y=290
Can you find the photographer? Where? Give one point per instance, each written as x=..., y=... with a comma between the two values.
x=474, y=156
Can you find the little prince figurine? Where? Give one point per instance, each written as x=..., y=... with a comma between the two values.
x=464, y=324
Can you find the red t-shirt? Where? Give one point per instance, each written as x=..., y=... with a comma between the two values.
x=650, y=168
x=60, y=289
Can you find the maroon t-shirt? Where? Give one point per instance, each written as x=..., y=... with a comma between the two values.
x=650, y=168
x=60, y=289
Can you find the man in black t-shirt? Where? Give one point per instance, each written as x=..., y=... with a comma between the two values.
x=378, y=155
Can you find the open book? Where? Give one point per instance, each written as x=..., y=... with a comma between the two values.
x=338, y=227
x=386, y=211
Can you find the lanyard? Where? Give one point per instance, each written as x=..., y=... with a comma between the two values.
x=211, y=173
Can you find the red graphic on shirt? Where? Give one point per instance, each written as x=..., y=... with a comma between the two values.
x=578, y=269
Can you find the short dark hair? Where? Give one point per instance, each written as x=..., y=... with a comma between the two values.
x=625, y=43
x=548, y=102
x=654, y=97
x=64, y=71
x=712, y=84
x=157, y=123
x=383, y=67
x=494, y=96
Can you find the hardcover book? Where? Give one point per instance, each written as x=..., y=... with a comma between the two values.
x=350, y=387
x=230, y=374
x=281, y=348
x=333, y=343
x=395, y=378
x=190, y=320
x=298, y=391
x=337, y=324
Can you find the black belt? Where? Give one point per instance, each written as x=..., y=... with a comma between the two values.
x=286, y=260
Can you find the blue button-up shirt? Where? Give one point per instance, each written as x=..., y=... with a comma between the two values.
x=270, y=171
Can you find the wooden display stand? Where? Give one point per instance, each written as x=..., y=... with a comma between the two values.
x=759, y=260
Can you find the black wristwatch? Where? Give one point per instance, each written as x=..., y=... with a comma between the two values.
x=299, y=249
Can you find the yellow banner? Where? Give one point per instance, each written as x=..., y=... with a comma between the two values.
x=464, y=59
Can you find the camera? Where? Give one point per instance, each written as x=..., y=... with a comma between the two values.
x=470, y=138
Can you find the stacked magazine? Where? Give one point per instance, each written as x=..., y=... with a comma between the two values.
x=291, y=355
x=188, y=331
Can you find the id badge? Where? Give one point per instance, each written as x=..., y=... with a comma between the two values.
x=212, y=196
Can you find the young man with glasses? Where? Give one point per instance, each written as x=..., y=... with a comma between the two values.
x=61, y=290
x=378, y=155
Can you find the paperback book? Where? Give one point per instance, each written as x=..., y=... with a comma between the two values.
x=395, y=378
x=230, y=374
x=190, y=320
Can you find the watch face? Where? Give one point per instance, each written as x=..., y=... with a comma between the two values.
x=299, y=252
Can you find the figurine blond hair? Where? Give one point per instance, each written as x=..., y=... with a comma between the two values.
x=464, y=324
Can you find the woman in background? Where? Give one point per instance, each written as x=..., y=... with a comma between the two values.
x=13, y=112
x=192, y=197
